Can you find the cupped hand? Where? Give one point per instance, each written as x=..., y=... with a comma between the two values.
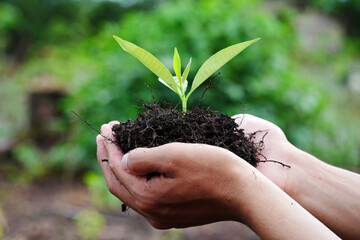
x=276, y=148
x=182, y=184
x=176, y=184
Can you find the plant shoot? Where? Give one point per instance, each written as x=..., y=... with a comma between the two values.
x=179, y=83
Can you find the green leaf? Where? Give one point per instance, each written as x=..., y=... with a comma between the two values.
x=177, y=64
x=151, y=62
x=163, y=82
x=184, y=85
x=216, y=61
x=186, y=72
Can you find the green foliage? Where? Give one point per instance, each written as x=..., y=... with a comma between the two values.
x=174, y=234
x=31, y=158
x=9, y=17
x=38, y=23
x=37, y=163
x=177, y=83
x=101, y=197
x=151, y=62
x=177, y=65
x=216, y=61
x=89, y=224
x=317, y=113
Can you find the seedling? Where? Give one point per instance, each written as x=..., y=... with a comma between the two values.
x=179, y=83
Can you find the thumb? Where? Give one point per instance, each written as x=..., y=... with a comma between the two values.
x=142, y=161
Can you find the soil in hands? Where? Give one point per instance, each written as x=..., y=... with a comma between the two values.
x=160, y=125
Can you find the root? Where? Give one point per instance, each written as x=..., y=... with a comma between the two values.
x=274, y=161
x=207, y=88
x=261, y=146
x=152, y=94
x=92, y=127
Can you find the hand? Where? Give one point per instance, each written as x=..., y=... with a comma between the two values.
x=194, y=183
x=311, y=182
x=181, y=185
x=276, y=148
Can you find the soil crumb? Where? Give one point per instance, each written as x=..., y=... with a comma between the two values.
x=160, y=125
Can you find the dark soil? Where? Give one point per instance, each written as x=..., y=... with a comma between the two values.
x=158, y=126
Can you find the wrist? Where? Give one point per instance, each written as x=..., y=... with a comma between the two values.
x=246, y=189
x=304, y=169
x=233, y=183
x=263, y=207
x=327, y=192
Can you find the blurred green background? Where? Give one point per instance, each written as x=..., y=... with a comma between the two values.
x=59, y=55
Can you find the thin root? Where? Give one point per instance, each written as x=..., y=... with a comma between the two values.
x=91, y=126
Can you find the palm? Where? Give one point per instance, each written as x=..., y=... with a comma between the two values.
x=276, y=147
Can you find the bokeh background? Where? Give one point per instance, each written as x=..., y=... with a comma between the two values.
x=59, y=55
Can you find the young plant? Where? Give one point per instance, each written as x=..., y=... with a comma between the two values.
x=179, y=83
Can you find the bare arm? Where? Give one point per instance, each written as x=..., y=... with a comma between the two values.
x=198, y=184
x=329, y=193
x=274, y=215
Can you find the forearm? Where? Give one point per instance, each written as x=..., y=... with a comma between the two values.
x=329, y=193
x=272, y=214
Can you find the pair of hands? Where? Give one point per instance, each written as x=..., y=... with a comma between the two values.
x=192, y=184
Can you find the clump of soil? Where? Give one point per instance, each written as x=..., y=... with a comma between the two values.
x=158, y=126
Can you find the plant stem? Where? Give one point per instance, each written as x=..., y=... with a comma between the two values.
x=184, y=102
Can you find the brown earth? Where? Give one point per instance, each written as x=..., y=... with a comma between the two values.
x=47, y=210
x=160, y=125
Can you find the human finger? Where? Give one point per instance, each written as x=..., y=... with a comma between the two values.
x=143, y=161
x=252, y=124
x=114, y=152
x=103, y=158
x=112, y=123
x=115, y=156
x=113, y=184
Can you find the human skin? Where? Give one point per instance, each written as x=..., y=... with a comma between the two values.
x=329, y=193
x=198, y=184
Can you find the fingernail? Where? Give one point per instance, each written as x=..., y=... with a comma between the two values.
x=124, y=161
